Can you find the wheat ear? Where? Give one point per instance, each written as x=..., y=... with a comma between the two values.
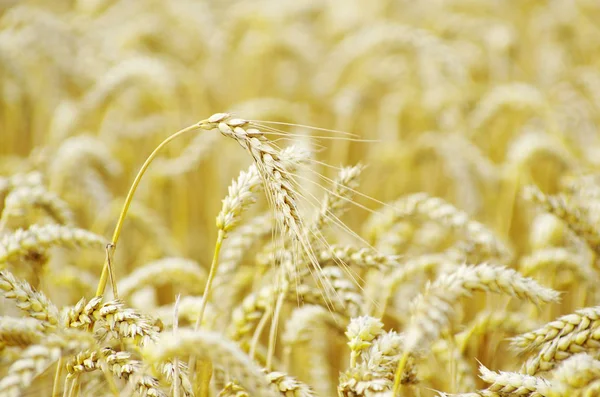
x=220, y=351
x=34, y=303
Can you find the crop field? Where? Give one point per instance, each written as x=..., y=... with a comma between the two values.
x=299, y=198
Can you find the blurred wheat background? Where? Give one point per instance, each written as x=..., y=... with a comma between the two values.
x=477, y=139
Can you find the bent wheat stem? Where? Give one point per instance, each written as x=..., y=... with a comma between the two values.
x=129, y=198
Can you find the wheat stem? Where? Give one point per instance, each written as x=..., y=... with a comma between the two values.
x=129, y=198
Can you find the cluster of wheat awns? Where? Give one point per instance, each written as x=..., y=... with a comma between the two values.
x=457, y=255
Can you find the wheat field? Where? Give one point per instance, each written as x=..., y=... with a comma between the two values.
x=354, y=198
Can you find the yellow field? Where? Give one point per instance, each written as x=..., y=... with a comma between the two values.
x=373, y=198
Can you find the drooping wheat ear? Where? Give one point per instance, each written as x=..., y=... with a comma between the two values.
x=37, y=358
x=337, y=199
x=181, y=272
x=433, y=308
x=570, y=325
x=19, y=199
x=492, y=322
x=515, y=384
x=357, y=257
x=574, y=375
x=555, y=259
x=239, y=197
x=111, y=317
x=214, y=347
x=279, y=184
x=289, y=386
x=20, y=332
x=424, y=207
x=233, y=390
x=38, y=238
x=574, y=218
x=457, y=367
x=34, y=303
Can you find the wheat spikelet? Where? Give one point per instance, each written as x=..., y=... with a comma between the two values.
x=182, y=272
x=574, y=375
x=239, y=197
x=245, y=317
x=557, y=259
x=361, y=332
x=379, y=357
x=335, y=200
x=357, y=257
x=515, y=95
x=219, y=351
x=273, y=169
x=188, y=309
x=20, y=332
x=237, y=245
x=38, y=238
x=34, y=303
x=168, y=370
x=514, y=383
x=233, y=390
x=85, y=361
x=17, y=201
x=147, y=385
x=346, y=298
x=35, y=359
x=76, y=152
x=289, y=386
x=568, y=325
x=423, y=206
x=571, y=215
x=109, y=319
x=432, y=309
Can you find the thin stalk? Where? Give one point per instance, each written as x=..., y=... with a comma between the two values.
x=399, y=371
x=207, y=288
x=57, y=375
x=129, y=198
x=275, y=321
